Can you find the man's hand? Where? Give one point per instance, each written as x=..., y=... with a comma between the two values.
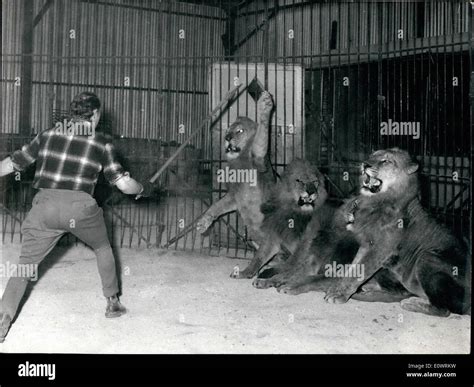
x=148, y=189
x=128, y=185
x=6, y=167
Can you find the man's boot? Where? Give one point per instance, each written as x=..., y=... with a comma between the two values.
x=5, y=322
x=9, y=304
x=114, y=307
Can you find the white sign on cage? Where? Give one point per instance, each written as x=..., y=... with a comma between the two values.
x=285, y=84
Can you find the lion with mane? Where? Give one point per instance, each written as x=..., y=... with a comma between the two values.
x=397, y=239
x=297, y=200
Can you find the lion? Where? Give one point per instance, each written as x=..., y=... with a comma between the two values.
x=397, y=236
x=246, y=145
x=325, y=240
x=296, y=200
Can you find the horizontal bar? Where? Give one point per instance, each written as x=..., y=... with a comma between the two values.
x=148, y=9
x=420, y=45
x=135, y=88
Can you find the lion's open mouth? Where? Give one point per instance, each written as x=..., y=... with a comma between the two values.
x=371, y=183
x=307, y=202
x=232, y=148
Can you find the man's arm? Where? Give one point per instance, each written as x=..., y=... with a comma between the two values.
x=21, y=159
x=115, y=175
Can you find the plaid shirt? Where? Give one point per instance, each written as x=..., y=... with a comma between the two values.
x=68, y=162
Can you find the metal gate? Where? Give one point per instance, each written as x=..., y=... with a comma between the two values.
x=337, y=70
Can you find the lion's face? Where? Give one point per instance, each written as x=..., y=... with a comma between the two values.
x=388, y=169
x=305, y=185
x=239, y=136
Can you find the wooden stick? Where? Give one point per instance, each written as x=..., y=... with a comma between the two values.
x=191, y=226
x=127, y=223
x=226, y=98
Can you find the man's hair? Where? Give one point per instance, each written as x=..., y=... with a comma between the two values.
x=83, y=105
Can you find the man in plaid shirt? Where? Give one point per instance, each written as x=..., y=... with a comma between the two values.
x=69, y=158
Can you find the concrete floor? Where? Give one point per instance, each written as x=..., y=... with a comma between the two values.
x=186, y=303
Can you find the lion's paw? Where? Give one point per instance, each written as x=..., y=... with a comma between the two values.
x=336, y=296
x=290, y=289
x=239, y=274
x=265, y=103
x=204, y=223
x=336, y=299
x=262, y=283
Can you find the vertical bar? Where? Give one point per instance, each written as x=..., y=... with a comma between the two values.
x=285, y=103
x=404, y=143
x=437, y=99
x=274, y=128
x=357, y=137
x=301, y=62
x=368, y=138
x=445, y=125
x=379, y=68
x=26, y=68
x=331, y=98
x=321, y=84
x=429, y=145
x=176, y=54
x=470, y=116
